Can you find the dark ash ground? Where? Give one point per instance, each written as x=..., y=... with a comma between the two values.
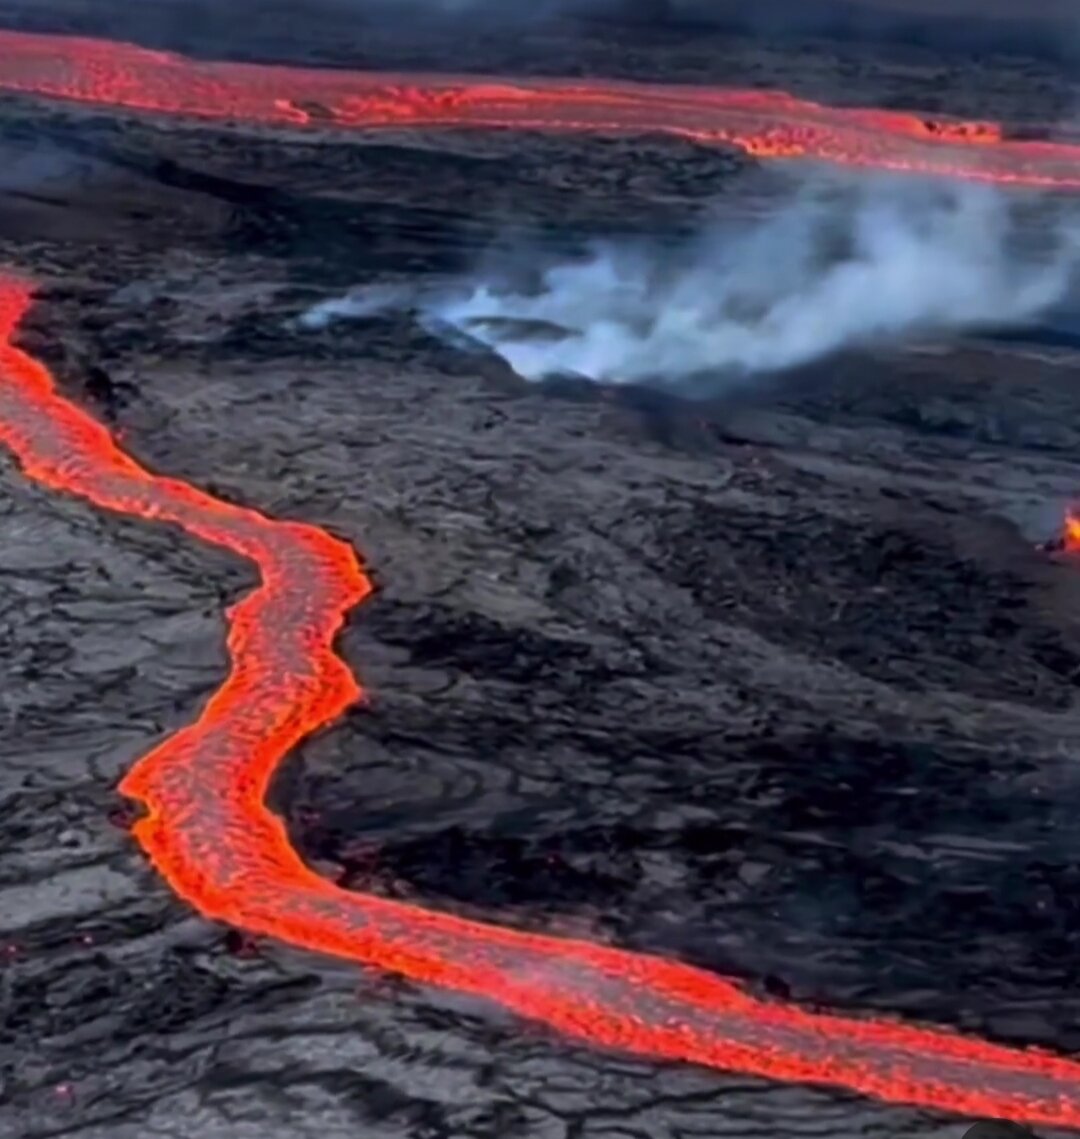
x=781, y=688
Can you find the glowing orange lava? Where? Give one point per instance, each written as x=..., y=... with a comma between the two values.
x=764, y=123
x=1071, y=531
x=209, y=833
x=206, y=827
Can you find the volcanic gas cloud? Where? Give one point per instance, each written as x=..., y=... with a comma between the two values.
x=839, y=265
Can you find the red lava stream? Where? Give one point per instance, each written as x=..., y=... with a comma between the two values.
x=768, y=124
x=206, y=826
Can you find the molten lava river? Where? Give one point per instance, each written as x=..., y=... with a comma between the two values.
x=206, y=826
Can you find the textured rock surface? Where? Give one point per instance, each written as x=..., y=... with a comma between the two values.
x=782, y=687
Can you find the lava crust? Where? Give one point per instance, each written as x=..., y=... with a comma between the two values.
x=628, y=662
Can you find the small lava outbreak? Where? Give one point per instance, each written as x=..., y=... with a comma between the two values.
x=206, y=826
x=767, y=124
x=1071, y=531
x=1067, y=538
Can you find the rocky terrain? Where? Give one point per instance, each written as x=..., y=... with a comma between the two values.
x=779, y=685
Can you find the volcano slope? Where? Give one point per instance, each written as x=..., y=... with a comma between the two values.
x=782, y=690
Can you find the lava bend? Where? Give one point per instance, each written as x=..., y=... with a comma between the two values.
x=767, y=124
x=206, y=826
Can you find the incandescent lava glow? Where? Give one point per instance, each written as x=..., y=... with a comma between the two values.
x=206, y=826
x=208, y=831
x=1070, y=534
x=766, y=124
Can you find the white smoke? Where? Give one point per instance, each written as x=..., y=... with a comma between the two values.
x=867, y=263
x=356, y=305
x=823, y=274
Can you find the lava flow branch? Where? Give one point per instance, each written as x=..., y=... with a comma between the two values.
x=207, y=828
x=767, y=124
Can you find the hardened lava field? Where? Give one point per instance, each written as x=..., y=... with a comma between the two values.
x=779, y=685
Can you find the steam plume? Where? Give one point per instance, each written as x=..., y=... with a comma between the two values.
x=355, y=306
x=870, y=264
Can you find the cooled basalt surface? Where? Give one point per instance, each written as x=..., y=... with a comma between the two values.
x=782, y=690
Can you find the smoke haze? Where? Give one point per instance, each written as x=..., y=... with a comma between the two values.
x=1037, y=27
x=281, y=28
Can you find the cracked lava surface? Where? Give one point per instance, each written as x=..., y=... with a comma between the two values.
x=206, y=827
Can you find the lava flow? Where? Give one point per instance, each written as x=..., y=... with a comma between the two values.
x=767, y=124
x=209, y=832
x=206, y=826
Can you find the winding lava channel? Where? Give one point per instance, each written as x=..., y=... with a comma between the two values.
x=206, y=826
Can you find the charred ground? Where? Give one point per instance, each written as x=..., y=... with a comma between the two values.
x=779, y=685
